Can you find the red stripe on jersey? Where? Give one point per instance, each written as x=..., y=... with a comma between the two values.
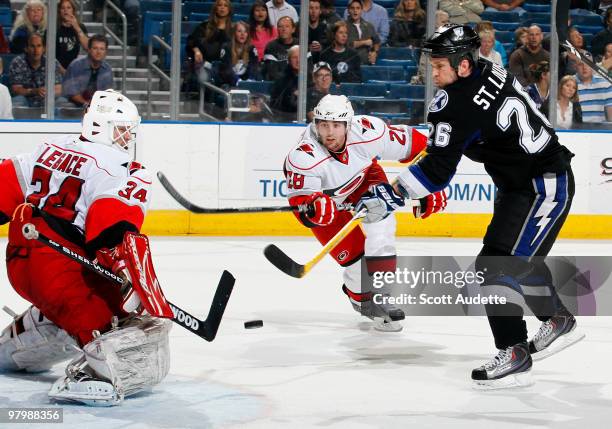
x=419, y=142
x=106, y=212
x=12, y=194
x=381, y=263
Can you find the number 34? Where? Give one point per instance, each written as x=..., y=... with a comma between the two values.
x=140, y=194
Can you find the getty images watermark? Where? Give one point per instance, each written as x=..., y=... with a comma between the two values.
x=451, y=285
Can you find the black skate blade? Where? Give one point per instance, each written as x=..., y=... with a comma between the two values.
x=280, y=260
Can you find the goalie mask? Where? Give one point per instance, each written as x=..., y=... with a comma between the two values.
x=111, y=119
x=454, y=42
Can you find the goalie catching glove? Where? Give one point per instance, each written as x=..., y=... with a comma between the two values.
x=380, y=201
x=432, y=203
x=131, y=260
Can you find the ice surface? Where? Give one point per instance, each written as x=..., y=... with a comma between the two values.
x=316, y=363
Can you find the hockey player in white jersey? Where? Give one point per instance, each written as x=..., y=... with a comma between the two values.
x=86, y=194
x=334, y=162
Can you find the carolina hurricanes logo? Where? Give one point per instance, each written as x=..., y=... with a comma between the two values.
x=366, y=125
x=349, y=186
x=307, y=148
x=134, y=166
x=343, y=255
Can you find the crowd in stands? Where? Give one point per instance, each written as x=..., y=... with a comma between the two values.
x=76, y=77
x=345, y=42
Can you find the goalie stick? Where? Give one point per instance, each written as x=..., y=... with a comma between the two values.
x=561, y=18
x=206, y=328
x=194, y=208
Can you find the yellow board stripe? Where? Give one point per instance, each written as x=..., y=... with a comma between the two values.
x=181, y=222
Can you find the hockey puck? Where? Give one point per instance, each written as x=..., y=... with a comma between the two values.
x=252, y=324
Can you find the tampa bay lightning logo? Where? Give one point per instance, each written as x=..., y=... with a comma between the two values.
x=342, y=67
x=439, y=101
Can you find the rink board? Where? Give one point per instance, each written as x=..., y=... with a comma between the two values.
x=240, y=165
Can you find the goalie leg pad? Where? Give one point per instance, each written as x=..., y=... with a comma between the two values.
x=119, y=363
x=33, y=343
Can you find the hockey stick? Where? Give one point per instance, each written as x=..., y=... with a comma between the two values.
x=287, y=265
x=206, y=329
x=194, y=208
x=562, y=15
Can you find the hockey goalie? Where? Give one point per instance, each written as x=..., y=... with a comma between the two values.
x=86, y=194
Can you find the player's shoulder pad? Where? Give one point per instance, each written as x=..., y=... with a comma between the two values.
x=365, y=127
x=138, y=171
x=307, y=154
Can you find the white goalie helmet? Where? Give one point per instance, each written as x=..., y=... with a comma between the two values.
x=111, y=119
x=334, y=108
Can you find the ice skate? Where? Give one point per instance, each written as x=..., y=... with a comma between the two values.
x=386, y=317
x=554, y=335
x=510, y=368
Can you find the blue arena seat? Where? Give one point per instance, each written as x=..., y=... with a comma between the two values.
x=505, y=26
x=152, y=24
x=374, y=90
x=196, y=7
x=156, y=5
x=401, y=63
x=504, y=36
x=198, y=16
x=590, y=19
x=499, y=16
x=588, y=29
x=380, y=105
x=536, y=7
x=388, y=53
x=6, y=17
x=407, y=91
x=382, y=73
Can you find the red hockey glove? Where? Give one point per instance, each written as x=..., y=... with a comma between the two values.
x=432, y=203
x=322, y=210
x=114, y=259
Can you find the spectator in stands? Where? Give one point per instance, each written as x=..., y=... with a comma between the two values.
x=419, y=78
x=262, y=32
x=487, y=41
x=567, y=60
x=279, y=8
x=31, y=19
x=595, y=94
x=606, y=61
x=284, y=92
x=344, y=61
x=322, y=79
x=239, y=59
x=376, y=15
x=520, y=37
x=204, y=43
x=317, y=29
x=361, y=34
x=4, y=45
x=408, y=24
x=88, y=74
x=497, y=46
x=131, y=8
x=538, y=91
x=27, y=75
x=328, y=12
x=462, y=11
x=6, y=105
x=569, y=113
x=504, y=5
x=275, y=55
x=604, y=37
x=71, y=34
x=531, y=53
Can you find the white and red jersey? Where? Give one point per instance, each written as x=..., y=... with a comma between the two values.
x=310, y=167
x=89, y=185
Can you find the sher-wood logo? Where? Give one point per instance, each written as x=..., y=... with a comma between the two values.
x=606, y=169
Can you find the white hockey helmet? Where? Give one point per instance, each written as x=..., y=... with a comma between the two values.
x=334, y=108
x=109, y=118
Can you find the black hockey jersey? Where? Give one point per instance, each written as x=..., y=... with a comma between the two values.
x=489, y=118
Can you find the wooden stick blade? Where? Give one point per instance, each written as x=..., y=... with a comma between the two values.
x=280, y=260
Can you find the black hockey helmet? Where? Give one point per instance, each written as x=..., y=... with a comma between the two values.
x=454, y=42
